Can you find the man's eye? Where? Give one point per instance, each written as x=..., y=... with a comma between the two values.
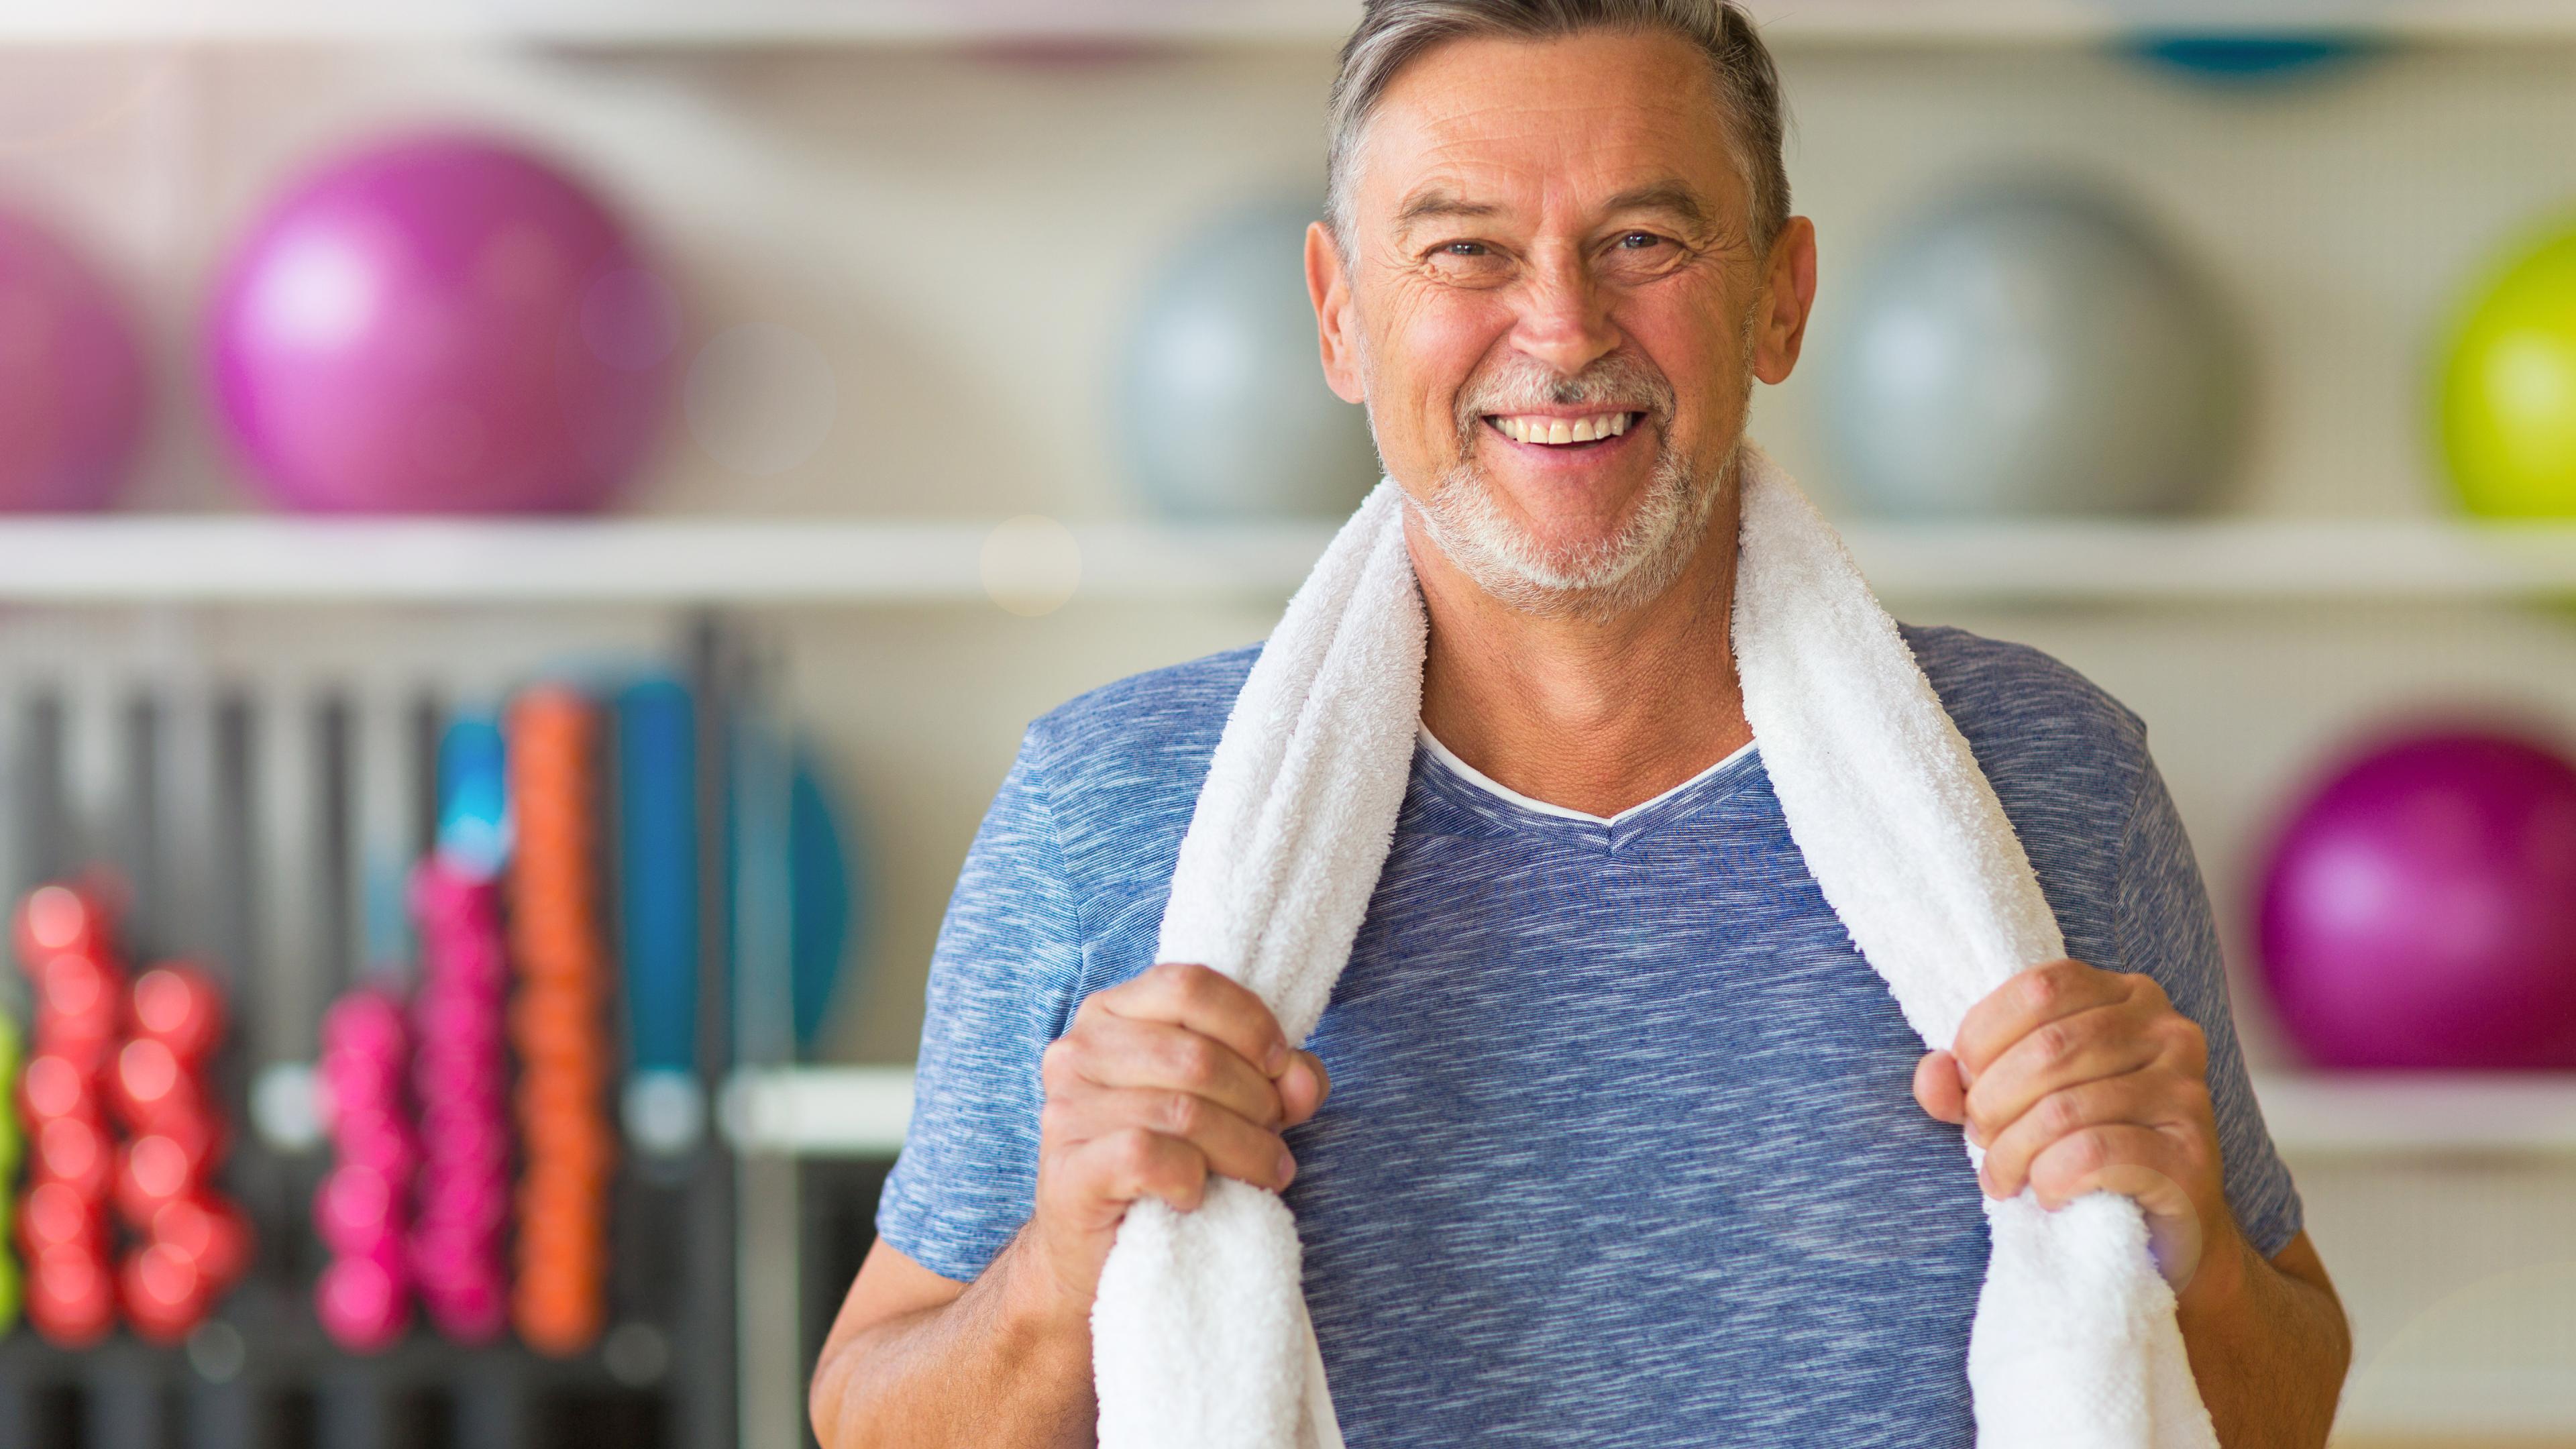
x=1639, y=240
x=1465, y=249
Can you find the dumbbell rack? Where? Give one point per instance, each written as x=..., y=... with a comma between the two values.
x=261, y=1374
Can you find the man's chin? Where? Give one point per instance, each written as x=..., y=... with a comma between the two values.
x=1542, y=551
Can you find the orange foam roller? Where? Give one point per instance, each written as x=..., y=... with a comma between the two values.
x=558, y=1022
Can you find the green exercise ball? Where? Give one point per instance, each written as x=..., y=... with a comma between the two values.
x=2508, y=390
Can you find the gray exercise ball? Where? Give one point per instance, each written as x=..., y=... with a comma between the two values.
x=1222, y=407
x=2031, y=347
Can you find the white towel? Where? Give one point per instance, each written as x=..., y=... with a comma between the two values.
x=1200, y=1338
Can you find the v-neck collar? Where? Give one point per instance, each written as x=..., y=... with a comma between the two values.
x=1617, y=826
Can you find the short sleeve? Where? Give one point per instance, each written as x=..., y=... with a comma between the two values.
x=1007, y=958
x=2166, y=929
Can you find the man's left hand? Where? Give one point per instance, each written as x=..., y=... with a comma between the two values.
x=2074, y=1079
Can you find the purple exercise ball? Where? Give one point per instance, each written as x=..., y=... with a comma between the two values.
x=71, y=378
x=443, y=323
x=2419, y=910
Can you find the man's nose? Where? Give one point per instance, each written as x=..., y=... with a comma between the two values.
x=1564, y=319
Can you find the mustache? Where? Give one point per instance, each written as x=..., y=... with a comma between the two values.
x=1616, y=381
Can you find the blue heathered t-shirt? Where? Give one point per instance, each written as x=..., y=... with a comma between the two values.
x=1622, y=1147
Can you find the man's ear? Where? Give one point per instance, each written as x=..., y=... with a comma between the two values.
x=1791, y=277
x=1336, y=329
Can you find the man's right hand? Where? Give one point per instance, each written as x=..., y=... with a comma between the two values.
x=1160, y=1080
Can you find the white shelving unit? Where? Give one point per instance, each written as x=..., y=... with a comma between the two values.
x=862, y=1111
x=714, y=560
x=621, y=22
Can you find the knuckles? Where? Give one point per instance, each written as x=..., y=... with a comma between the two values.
x=2059, y=1114
x=1055, y=1119
x=1132, y=1154
x=2055, y=1041
x=1188, y=982
x=1056, y=1065
x=2040, y=989
x=2189, y=1042
x=1194, y=1061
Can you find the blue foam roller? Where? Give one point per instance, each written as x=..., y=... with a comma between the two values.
x=658, y=869
x=473, y=795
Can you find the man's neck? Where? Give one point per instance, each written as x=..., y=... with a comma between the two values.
x=1595, y=715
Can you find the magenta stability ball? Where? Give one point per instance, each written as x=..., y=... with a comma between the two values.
x=2419, y=909
x=71, y=378
x=442, y=323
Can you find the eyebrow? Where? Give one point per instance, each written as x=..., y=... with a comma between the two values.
x=1672, y=196
x=1434, y=201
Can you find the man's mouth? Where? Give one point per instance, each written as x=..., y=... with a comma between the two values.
x=1558, y=432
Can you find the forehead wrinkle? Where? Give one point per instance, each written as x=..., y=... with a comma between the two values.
x=1538, y=156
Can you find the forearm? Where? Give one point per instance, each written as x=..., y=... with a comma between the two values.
x=2268, y=1350
x=1008, y=1362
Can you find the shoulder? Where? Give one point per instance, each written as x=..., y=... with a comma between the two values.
x=2022, y=708
x=1120, y=766
x=2066, y=759
x=1140, y=729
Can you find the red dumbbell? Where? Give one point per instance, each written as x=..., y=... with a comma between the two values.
x=195, y=1244
x=78, y=1007
x=181, y=1007
x=55, y=1215
x=76, y=1151
x=149, y=1084
x=57, y=918
x=56, y=1085
x=212, y=1231
x=71, y=1298
x=165, y=1292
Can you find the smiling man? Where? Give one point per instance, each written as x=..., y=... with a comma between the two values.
x=1608, y=1135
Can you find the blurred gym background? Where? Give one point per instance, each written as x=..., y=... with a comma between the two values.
x=645, y=464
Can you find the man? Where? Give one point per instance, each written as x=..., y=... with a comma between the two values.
x=1607, y=1136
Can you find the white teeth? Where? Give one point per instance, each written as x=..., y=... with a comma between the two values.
x=1556, y=431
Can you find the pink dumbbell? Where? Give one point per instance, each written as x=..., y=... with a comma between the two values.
x=363, y=1298
x=461, y=1074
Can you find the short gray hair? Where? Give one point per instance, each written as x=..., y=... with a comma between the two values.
x=1394, y=33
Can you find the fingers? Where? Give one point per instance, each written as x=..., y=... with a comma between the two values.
x=1937, y=1086
x=1113, y=1051
x=2124, y=1159
x=2030, y=998
x=1304, y=1086
x=1107, y=1173
x=1226, y=1141
x=2105, y=1041
x=1207, y=1002
x=2145, y=1099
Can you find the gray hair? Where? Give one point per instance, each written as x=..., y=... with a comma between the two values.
x=1394, y=33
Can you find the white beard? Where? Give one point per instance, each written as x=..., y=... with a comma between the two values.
x=1617, y=574
x=1597, y=580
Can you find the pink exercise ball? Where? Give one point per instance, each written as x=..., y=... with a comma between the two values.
x=71, y=378
x=443, y=323
x=2419, y=908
